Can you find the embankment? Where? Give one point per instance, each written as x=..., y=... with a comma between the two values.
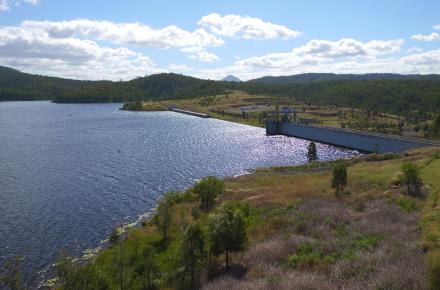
x=364, y=141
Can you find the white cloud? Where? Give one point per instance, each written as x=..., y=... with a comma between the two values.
x=200, y=53
x=126, y=33
x=8, y=4
x=317, y=52
x=194, y=43
x=436, y=27
x=431, y=37
x=414, y=50
x=245, y=27
x=69, y=57
x=428, y=60
x=342, y=56
x=32, y=2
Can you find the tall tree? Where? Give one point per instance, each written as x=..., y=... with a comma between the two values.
x=11, y=277
x=193, y=252
x=311, y=152
x=411, y=177
x=163, y=216
x=227, y=232
x=148, y=269
x=339, y=179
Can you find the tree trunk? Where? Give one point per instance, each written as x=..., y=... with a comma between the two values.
x=192, y=265
x=227, y=259
x=209, y=264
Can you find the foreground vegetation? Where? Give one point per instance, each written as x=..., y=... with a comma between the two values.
x=285, y=229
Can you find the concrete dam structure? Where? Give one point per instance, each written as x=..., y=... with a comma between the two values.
x=359, y=140
x=200, y=115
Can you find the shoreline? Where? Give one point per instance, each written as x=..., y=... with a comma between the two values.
x=89, y=255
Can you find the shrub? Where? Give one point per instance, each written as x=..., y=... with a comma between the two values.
x=411, y=178
x=408, y=204
x=367, y=242
x=114, y=236
x=208, y=189
x=307, y=255
x=196, y=213
x=339, y=179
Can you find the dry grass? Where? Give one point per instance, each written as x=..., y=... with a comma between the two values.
x=277, y=189
x=396, y=262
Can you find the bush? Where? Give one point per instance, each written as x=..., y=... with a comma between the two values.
x=367, y=242
x=208, y=189
x=339, y=179
x=308, y=256
x=408, y=204
x=411, y=178
x=114, y=236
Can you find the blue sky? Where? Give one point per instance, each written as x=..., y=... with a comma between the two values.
x=210, y=39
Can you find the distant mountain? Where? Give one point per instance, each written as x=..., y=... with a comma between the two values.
x=231, y=78
x=316, y=77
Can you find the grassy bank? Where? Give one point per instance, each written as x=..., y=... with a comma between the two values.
x=298, y=234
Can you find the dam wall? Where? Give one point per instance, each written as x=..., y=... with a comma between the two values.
x=201, y=115
x=359, y=140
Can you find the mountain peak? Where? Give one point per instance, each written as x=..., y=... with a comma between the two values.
x=231, y=78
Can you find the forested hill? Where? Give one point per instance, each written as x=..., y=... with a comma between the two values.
x=392, y=93
x=15, y=85
x=319, y=77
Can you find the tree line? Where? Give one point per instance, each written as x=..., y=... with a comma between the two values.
x=410, y=96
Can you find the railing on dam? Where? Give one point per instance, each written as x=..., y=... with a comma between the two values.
x=364, y=141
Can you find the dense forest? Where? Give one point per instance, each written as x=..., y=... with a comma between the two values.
x=318, y=77
x=392, y=96
x=398, y=94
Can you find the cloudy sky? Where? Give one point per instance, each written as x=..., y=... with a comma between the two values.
x=86, y=39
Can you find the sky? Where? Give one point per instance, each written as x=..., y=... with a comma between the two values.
x=122, y=40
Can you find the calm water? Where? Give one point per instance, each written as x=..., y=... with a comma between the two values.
x=70, y=173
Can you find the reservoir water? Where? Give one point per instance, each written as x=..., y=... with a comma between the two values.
x=70, y=173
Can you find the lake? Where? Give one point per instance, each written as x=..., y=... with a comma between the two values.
x=70, y=173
